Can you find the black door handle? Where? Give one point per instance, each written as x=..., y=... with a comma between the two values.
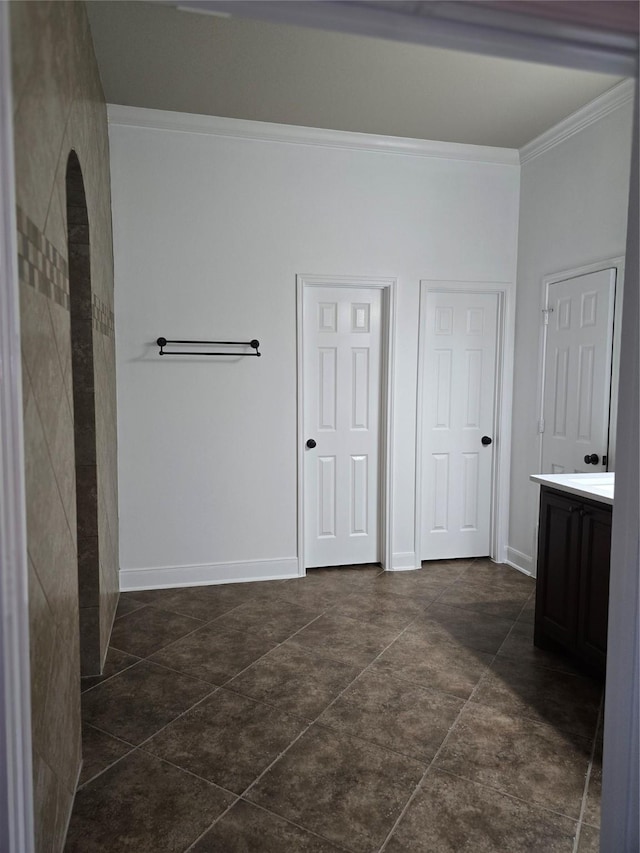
x=311, y=443
x=486, y=440
x=592, y=459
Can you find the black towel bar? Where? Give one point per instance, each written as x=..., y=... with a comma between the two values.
x=254, y=344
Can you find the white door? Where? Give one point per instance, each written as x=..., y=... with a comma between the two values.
x=458, y=394
x=577, y=378
x=341, y=353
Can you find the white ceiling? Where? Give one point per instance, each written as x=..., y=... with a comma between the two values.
x=154, y=55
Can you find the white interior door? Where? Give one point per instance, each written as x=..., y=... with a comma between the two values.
x=341, y=358
x=459, y=378
x=577, y=378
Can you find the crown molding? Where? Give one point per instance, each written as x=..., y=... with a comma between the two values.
x=620, y=95
x=232, y=128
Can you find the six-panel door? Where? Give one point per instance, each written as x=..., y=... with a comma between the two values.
x=577, y=379
x=342, y=354
x=458, y=399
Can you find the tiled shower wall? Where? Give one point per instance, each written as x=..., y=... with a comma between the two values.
x=59, y=106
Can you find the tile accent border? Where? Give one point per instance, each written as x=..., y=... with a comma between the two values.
x=43, y=267
x=102, y=316
x=40, y=264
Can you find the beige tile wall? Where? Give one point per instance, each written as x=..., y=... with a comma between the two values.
x=59, y=105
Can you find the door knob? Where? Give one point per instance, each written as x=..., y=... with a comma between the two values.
x=592, y=459
x=311, y=443
x=486, y=440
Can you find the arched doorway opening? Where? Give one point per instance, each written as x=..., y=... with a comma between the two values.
x=84, y=414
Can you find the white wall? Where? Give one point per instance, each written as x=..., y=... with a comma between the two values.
x=209, y=233
x=573, y=211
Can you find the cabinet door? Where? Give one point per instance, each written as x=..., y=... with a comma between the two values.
x=594, y=585
x=558, y=565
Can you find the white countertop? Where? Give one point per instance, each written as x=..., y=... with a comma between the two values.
x=596, y=486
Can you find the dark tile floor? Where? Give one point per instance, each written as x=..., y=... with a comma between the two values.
x=351, y=710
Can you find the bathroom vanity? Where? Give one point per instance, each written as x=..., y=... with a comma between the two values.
x=574, y=545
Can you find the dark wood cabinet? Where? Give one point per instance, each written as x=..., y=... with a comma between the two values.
x=572, y=589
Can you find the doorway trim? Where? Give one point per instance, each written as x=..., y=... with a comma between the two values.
x=16, y=787
x=502, y=407
x=616, y=263
x=388, y=287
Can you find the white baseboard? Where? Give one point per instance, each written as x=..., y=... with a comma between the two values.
x=166, y=577
x=521, y=562
x=404, y=562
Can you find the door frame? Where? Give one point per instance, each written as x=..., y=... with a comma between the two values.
x=388, y=286
x=501, y=466
x=616, y=263
x=16, y=788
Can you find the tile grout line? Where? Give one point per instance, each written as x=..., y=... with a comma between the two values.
x=70, y=814
x=191, y=773
x=54, y=186
x=147, y=658
x=303, y=649
x=297, y=738
x=329, y=606
x=131, y=612
x=216, y=687
x=136, y=663
x=466, y=609
x=585, y=793
x=115, y=737
x=180, y=715
x=443, y=744
x=530, y=803
x=333, y=701
x=426, y=772
x=277, y=645
x=327, y=726
x=113, y=763
x=63, y=372
x=47, y=439
x=549, y=667
x=235, y=796
x=229, y=686
x=437, y=754
x=226, y=684
x=303, y=731
x=108, y=678
x=240, y=796
x=139, y=748
x=222, y=628
x=80, y=787
x=339, y=845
